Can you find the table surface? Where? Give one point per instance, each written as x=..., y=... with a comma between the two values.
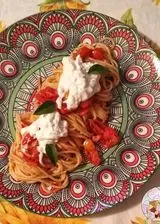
x=146, y=17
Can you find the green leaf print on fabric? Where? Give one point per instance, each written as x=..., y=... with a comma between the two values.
x=127, y=18
x=52, y=1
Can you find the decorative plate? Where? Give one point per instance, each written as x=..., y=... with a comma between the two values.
x=36, y=44
x=149, y=198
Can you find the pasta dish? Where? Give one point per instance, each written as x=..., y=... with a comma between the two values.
x=71, y=109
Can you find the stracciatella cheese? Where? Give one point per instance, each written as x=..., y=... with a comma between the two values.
x=76, y=82
x=48, y=128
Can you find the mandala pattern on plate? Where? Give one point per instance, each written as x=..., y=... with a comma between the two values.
x=144, y=132
x=90, y=27
x=139, y=164
x=79, y=198
x=9, y=188
x=40, y=200
x=4, y=146
x=57, y=31
x=30, y=49
x=146, y=101
x=110, y=185
x=10, y=65
x=3, y=92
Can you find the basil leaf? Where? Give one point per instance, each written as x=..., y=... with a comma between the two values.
x=45, y=108
x=97, y=69
x=51, y=152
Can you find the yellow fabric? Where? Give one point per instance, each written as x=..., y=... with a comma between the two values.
x=10, y=214
x=157, y=2
x=54, y=4
x=2, y=26
x=139, y=220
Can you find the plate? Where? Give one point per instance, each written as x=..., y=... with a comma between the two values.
x=31, y=48
x=151, y=197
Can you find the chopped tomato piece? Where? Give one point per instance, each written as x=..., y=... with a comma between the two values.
x=91, y=152
x=85, y=52
x=82, y=112
x=25, y=124
x=105, y=134
x=84, y=107
x=96, y=138
x=47, y=162
x=26, y=139
x=31, y=155
x=64, y=109
x=86, y=103
x=110, y=137
x=45, y=94
x=97, y=127
x=98, y=53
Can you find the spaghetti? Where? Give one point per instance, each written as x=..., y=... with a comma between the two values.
x=80, y=136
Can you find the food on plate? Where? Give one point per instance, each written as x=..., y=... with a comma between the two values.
x=154, y=209
x=71, y=108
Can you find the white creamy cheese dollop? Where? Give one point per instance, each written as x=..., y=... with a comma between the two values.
x=48, y=128
x=76, y=82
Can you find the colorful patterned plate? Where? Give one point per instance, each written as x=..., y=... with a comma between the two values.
x=32, y=47
x=150, y=197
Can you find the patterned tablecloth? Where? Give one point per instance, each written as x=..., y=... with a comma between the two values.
x=145, y=15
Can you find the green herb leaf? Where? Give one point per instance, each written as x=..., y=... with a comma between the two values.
x=51, y=152
x=46, y=108
x=97, y=69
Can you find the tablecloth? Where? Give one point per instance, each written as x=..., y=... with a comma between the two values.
x=142, y=14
